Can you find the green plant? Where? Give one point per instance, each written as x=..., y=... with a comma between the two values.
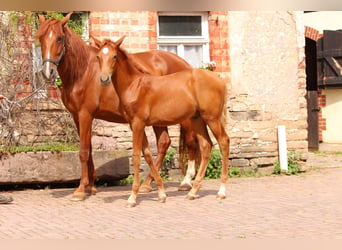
x=234, y=172
x=214, y=166
x=58, y=82
x=294, y=166
x=168, y=163
x=44, y=147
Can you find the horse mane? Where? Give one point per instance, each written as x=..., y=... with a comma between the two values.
x=76, y=62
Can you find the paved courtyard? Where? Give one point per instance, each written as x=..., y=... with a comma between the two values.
x=305, y=206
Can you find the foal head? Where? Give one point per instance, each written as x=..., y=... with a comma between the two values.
x=52, y=40
x=107, y=57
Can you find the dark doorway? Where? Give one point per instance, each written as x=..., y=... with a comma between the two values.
x=312, y=93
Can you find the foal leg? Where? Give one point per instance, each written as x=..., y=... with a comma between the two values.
x=139, y=142
x=205, y=146
x=163, y=143
x=223, y=140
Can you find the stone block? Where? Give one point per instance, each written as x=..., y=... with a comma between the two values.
x=49, y=167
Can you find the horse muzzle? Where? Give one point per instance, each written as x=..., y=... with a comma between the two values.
x=49, y=73
x=105, y=80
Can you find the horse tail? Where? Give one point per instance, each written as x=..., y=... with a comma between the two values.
x=184, y=154
x=225, y=107
x=182, y=151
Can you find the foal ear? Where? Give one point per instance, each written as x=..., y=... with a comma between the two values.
x=66, y=18
x=96, y=41
x=41, y=18
x=118, y=42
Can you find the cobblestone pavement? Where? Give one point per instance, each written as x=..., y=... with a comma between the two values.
x=305, y=206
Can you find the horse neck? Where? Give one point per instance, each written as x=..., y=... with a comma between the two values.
x=75, y=61
x=125, y=72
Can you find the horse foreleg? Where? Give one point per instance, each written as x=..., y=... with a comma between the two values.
x=163, y=143
x=140, y=142
x=205, y=146
x=90, y=188
x=84, y=129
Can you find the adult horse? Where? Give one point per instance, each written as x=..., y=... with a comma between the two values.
x=195, y=94
x=86, y=98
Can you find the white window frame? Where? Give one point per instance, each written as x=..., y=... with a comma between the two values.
x=180, y=41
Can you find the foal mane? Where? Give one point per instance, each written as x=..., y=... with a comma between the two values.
x=124, y=53
x=76, y=61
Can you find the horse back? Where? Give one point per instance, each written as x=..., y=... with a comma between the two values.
x=159, y=62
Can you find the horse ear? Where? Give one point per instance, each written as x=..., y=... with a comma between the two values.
x=41, y=18
x=118, y=42
x=96, y=41
x=66, y=18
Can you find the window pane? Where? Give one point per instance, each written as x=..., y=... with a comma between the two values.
x=168, y=48
x=193, y=54
x=180, y=26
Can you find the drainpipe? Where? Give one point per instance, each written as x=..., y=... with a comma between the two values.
x=282, y=148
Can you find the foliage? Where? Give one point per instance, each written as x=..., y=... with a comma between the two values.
x=168, y=163
x=22, y=89
x=44, y=147
x=214, y=166
x=294, y=166
x=76, y=26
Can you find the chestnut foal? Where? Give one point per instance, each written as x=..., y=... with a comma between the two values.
x=195, y=94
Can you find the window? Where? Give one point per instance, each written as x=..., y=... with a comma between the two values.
x=185, y=35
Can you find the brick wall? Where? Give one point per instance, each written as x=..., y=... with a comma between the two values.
x=139, y=27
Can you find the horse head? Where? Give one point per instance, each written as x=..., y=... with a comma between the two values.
x=107, y=57
x=52, y=40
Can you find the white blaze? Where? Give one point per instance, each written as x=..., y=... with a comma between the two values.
x=105, y=50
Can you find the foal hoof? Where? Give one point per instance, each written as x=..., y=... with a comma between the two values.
x=91, y=191
x=130, y=204
x=145, y=189
x=190, y=197
x=162, y=199
x=78, y=196
x=220, y=197
x=184, y=187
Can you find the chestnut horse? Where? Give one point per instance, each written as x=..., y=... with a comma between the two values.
x=86, y=98
x=195, y=94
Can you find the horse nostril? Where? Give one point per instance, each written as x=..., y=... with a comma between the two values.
x=105, y=80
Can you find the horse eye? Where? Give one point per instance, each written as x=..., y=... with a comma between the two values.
x=114, y=57
x=59, y=39
x=97, y=56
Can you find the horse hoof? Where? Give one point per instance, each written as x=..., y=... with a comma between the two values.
x=78, y=196
x=184, y=187
x=162, y=200
x=91, y=191
x=131, y=204
x=145, y=189
x=220, y=197
x=190, y=197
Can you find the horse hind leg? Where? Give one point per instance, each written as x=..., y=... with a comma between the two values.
x=205, y=146
x=223, y=140
x=188, y=138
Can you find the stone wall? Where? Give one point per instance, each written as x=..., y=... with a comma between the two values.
x=267, y=85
